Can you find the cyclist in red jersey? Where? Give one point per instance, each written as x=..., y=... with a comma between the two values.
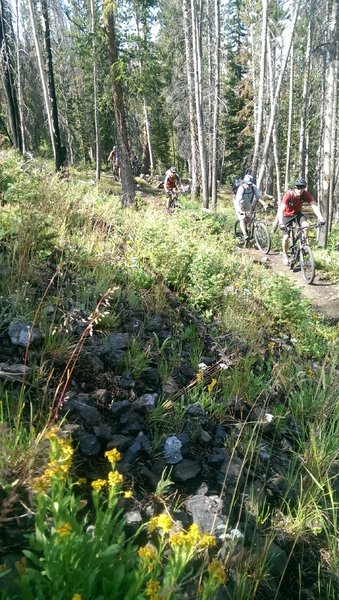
x=290, y=210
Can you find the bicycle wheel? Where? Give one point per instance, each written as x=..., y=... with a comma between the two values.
x=307, y=264
x=262, y=237
x=238, y=233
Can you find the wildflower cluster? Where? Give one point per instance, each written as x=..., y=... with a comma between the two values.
x=60, y=463
x=193, y=538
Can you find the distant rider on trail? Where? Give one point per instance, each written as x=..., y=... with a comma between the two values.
x=245, y=201
x=171, y=184
x=114, y=159
x=290, y=210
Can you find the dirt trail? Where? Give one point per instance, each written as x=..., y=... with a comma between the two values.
x=323, y=294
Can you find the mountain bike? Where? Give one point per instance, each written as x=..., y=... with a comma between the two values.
x=172, y=200
x=300, y=253
x=257, y=231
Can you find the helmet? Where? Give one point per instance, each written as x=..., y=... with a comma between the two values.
x=173, y=170
x=114, y=148
x=248, y=179
x=300, y=182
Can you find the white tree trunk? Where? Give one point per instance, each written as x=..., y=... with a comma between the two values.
x=43, y=78
x=95, y=93
x=19, y=86
x=214, y=157
x=197, y=62
x=305, y=101
x=276, y=98
x=190, y=85
x=290, y=121
x=259, y=119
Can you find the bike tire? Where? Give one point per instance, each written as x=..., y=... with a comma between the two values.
x=307, y=264
x=262, y=237
x=238, y=233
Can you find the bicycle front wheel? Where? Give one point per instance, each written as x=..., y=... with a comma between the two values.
x=307, y=264
x=262, y=237
x=238, y=233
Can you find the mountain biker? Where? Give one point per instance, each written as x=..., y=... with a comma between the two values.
x=171, y=183
x=290, y=210
x=114, y=159
x=245, y=200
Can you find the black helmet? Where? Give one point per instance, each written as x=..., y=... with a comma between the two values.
x=300, y=182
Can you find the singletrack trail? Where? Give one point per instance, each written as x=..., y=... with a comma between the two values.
x=323, y=294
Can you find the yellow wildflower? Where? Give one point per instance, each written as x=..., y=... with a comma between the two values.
x=81, y=481
x=162, y=521
x=206, y=539
x=98, y=484
x=217, y=570
x=212, y=385
x=128, y=494
x=147, y=553
x=64, y=530
x=52, y=433
x=114, y=478
x=113, y=455
x=193, y=533
x=40, y=485
x=199, y=376
x=152, y=589
x=77, y=597
x=178, y=538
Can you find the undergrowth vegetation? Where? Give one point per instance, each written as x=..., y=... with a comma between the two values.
x=68, y=252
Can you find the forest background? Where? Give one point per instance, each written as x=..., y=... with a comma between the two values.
x=215, y=88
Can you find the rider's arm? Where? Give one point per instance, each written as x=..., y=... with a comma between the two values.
x=239, y=196
x=317, y=211
x=280, y=213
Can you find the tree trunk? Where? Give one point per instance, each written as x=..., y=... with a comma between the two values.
x=95, y=93
x=214, y=158
x=198, y=100
x=290, y=121
x=276, y=98
x=259, y=120
x=12, y=103
x=19, y=86
x=271, y=63
x=331, y=102
x=194, y=173
x=43, y=79
x=59, y=154
x=127, y=181
x=305, y=100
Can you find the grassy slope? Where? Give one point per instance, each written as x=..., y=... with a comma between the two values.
x=65, y=243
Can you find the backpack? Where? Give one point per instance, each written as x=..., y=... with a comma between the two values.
x=236, y=183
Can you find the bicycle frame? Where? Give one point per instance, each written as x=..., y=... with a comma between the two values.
x=300, y=252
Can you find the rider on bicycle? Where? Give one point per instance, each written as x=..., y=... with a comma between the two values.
x=171, y=183
x=245, y=201
x=290, y=211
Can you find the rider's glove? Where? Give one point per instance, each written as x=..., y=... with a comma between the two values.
x=321, y=222
x=282, y=227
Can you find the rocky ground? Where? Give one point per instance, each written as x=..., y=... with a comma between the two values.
x=213, y=476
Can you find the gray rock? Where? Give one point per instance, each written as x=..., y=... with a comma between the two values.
x=133, y=517
x=145, y=403
x=232, y=471
x=120, y=442
x=170, y=386
x=23, y=334
x=187, y=469
x=206, y=512
x=195, y=410
x=120, y=407
x=89, y=444
x=82, y=405
x=171, y=451
x=204, y=437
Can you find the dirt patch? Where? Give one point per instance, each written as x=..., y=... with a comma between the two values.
x=323, y=294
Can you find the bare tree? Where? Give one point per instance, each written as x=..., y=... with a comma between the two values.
x=127, y=182
x=8, y=75
x=259, y=119
x=216, y=63
x=194, y=162
x=274, y=107
x=330, y=116
x=95, y=92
